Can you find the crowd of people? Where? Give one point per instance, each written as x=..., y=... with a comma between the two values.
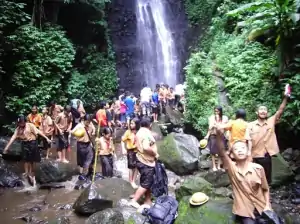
x=245, y=149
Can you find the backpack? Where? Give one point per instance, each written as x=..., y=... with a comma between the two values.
x=160, y=184
x=164, y=211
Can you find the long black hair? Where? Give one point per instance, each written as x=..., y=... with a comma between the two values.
x=137, y=122
x=220, y=109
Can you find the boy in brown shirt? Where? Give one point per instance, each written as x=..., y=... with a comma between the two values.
x=250, y=188
x=47, y=128
x=63, y=123
x=261, y=136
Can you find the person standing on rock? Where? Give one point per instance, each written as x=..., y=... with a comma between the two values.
x=106, y=152
x=27, y=133
x=63, y=123
x=237, y=127
x=145, y=96
x=251, y=195
x=129, y=138
x=146, y=159
x=34, y=117
x=262, y=136
x=155, y=104
x=129, y=102
x=85, y=152
x=47, y=128
x=217, y=119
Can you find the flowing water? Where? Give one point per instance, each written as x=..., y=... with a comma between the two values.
x=40, y=206
x=159, y=60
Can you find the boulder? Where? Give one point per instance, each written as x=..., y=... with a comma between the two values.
x=204, y=164
x=179, y=152
x=282, y=212
x=8, y=178
x=192, y=185
x=281, y=172
x=130, y=214
x=222, y=192
x=49, y=171
x=61, y=220
x=215, y=211
x=175, y=117
x=287, y=154
x=107, y=216
x=101, y=195
x=217, y=179
x=156, y=132
x=15, y=151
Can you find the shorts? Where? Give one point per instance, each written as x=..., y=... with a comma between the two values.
x=131, y=159
x=129, y=116
x=46, y=145
x=107, y=165
x=147, y=174
x=31, y=152
x=85, y=154
x=155, y=109
x=63, y=141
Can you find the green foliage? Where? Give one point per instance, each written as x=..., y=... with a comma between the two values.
x=247, y=69
x=97, y=81
x=201, y=90
x=200, y=11
x=43, y=60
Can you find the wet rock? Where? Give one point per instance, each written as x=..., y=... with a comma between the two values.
x=82, y=184
x=107, y=216
x=65, y=207
x=283, y=213
x=173, y=179
x=101, y=195
x=204, y=164
x=281, y=172
x=287, y=154
x=212, y=212
x=192, y=185
x=15, y=151
x=222, y=192
x=35, y=209
x=179, y=152
x=9, y=178
x=218, y=178
x=60, y=220
x=175, y=117
x=130, y=214
x=49, y=171
x=156, y=131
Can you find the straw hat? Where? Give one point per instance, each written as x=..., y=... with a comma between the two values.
x=199, y=198
x=79, y=133
x=203, y=143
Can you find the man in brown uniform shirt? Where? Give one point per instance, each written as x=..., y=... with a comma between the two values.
x=63, y=123
x=261, y=136
x=250, y=189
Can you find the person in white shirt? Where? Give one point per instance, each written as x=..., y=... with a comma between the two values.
x=145, y=95
x=179, y=92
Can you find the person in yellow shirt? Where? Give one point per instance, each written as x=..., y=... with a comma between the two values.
x=237, y=127
x=129, y=138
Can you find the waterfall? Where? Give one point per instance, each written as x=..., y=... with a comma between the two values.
x=157, y=50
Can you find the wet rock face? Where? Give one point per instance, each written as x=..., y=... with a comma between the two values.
x=101, y=195
x=122, y=23
x=49, y=171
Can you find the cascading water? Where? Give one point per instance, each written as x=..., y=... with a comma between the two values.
x=159, y=61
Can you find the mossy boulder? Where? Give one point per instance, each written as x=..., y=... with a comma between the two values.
x=217, y=179
x=281, y=172
x=213, y=212
x=179, y=152
x=192, y=185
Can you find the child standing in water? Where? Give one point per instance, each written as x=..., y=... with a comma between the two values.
x=28, y=133
x=129, y=138
x=106, y=152
x=47, y=128
x=250, y=188
x=85, y=152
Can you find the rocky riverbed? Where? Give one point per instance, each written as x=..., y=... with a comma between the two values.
x=61, y=198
